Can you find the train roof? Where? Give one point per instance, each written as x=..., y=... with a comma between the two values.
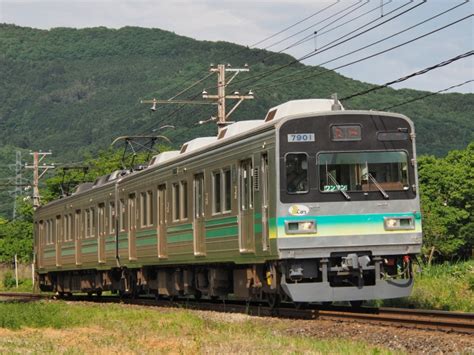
x=276, y=114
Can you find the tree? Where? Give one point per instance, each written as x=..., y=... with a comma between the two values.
x=447, y=195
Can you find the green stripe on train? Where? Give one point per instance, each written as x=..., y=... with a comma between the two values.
x=146, y=233
x=49, y=253
x=179, y=228
x=187, y=237
x=225, y=220
x=67, y=252
x=92, y=249
x=223, y=232
x=146, y=241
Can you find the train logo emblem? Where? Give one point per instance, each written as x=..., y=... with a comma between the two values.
x=298, y=210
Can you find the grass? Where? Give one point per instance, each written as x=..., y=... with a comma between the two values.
x=59, y=327
x=448, y=286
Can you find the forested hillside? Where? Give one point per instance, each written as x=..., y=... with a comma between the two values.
x=73, y=91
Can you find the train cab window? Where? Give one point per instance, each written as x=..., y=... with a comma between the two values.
x=112, y=217
x=363, y=171
x=296, y=165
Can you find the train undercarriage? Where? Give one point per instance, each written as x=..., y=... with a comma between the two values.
x=345, y=277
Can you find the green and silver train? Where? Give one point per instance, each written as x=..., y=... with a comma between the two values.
x=312, y=204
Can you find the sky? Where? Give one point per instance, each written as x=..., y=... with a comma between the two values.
x=248, y=22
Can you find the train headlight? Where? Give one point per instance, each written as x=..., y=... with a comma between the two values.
x=399, y=223
x=301, y=227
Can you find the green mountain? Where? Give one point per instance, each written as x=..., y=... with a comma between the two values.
x=73, y=91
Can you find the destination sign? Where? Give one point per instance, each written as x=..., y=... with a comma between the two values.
x=346, y=133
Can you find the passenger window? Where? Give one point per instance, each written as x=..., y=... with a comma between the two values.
x=149, y=202
x=296, y=173
x=227, y=190
x=216, y=192
x=221, y=191
x=112, y=217
x=180, y=201
x=123, y=215
x=176, y=204
x=144, y=209
x=184, y=198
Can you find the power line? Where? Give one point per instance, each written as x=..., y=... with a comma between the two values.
x=313, y=53
x=371, y=44
x=293, y=25
x=427, y=95
x=317, y=23
x=377, y=53
x=420, y=72
x=318, y=33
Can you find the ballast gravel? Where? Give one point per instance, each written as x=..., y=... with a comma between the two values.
x=416, y=341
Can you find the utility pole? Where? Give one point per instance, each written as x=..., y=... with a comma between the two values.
x=221, y=96
x=18, y=181
x=219, y=99
x=37, y=159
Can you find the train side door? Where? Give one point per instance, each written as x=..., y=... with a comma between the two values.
x=101, y=233
x=198, y=223
x=161, y=225
x=132, y=226
x=265, y=188
x=246, y=208
x=78, y=236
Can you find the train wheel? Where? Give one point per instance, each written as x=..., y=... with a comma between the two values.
x=273, y=300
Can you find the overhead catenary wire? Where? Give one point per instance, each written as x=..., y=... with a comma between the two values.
x=406, y=77
x=319, y=22
x=319, y=34
x=366, y=46
x=260, y=76
x=294, y=25
x=375, y=54
x=179, y=109
x=428, y=95
x=283, y=30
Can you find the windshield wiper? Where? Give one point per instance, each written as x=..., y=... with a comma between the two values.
x=382, y=191
x=334, y=181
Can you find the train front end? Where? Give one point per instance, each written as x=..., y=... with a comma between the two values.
x=348, y=211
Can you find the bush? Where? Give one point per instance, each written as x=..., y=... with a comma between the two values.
x=9, y=280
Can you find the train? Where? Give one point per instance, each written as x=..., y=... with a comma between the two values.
x=314, y=203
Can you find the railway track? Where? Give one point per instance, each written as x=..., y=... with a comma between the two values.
x=408, y=318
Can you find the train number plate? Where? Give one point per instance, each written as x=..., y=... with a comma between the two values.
x=301, y=137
